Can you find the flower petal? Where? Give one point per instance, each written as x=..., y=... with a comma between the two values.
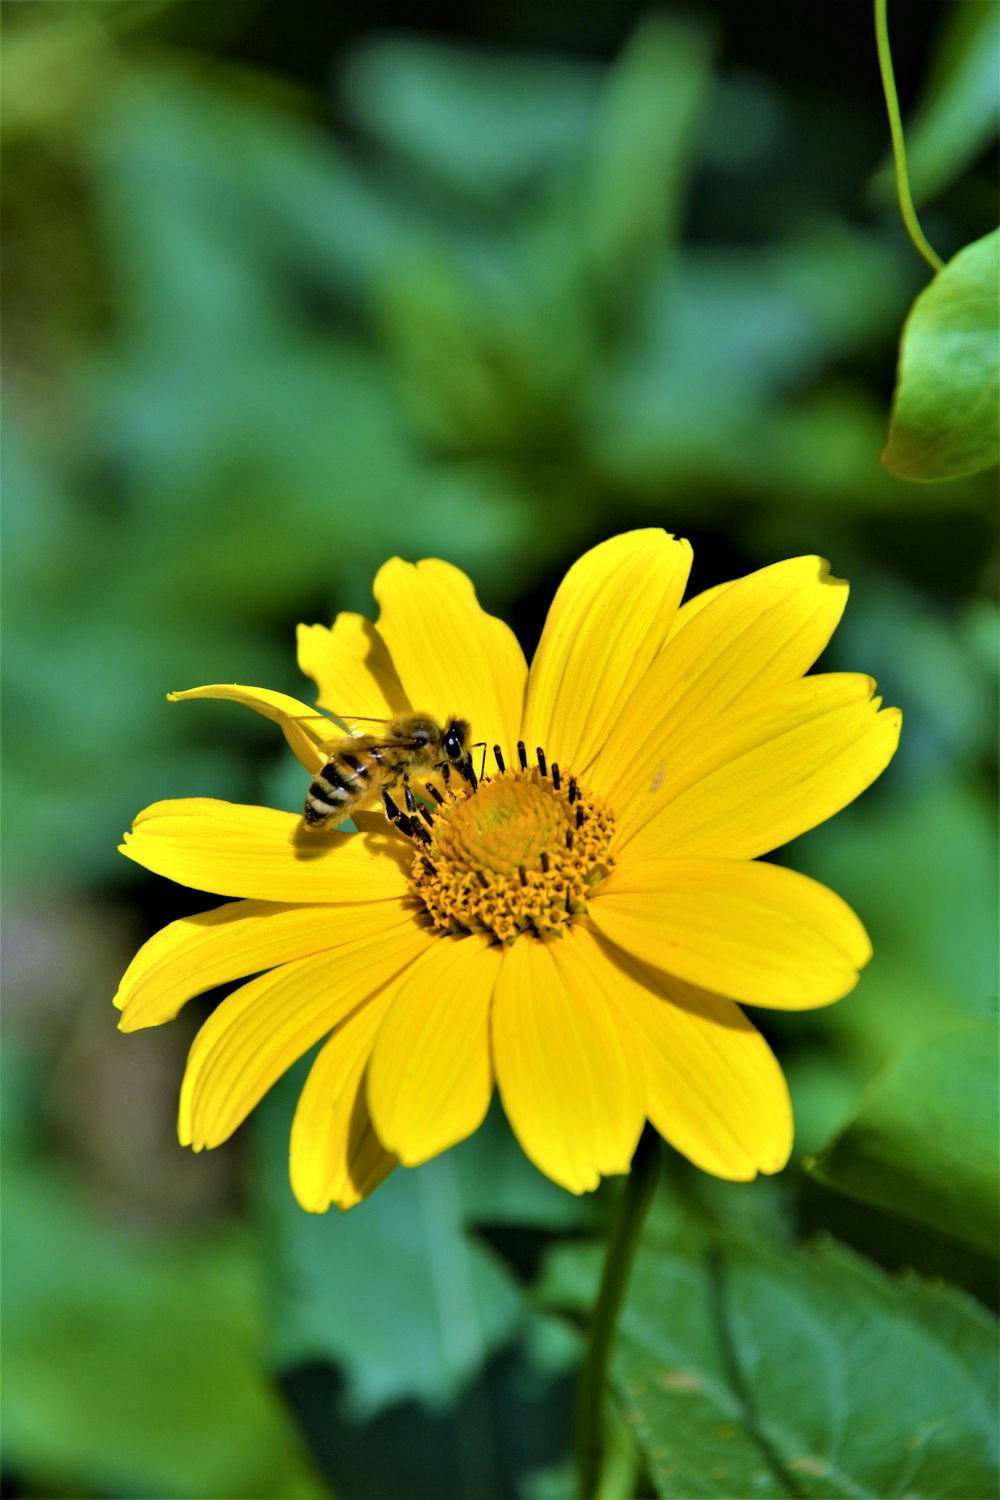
x=566, y=1071
x=452, y=657
x=188, y=957
x=306, y=731
x=752, y=784
x=259, y=1031
x=761, y=630
x=714, y=1089
x=694, y=606
x=681, y=750
x=430, y=1076
x=336, y=1156
x=234, y=850
x=753, y=932
x=606, y=624
x=351, y=668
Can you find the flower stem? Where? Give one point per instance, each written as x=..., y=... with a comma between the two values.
x=906, y=207
x=591, y=1447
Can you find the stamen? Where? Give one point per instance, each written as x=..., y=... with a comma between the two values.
x=520, y=856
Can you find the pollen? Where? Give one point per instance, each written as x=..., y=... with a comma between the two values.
x=519, y=854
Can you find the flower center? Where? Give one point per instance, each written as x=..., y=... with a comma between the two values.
x=520, y=853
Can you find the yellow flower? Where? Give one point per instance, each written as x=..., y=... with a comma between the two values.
x=580, y=931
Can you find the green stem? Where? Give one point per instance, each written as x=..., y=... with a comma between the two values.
x=624, y=1241
x=906, y=208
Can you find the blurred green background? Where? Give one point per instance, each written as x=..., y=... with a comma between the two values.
x=288, y=290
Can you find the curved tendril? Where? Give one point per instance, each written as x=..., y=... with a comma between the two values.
x=906, y=208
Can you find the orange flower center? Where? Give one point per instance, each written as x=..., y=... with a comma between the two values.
x=521, y=853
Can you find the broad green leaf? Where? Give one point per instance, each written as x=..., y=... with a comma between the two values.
x=396, y=1291
x=807, y=1373
x=133, y=1365
x=946, y=412
x=500, y=1186
x=924, y=1144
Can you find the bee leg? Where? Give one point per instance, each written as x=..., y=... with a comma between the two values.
x=468, y=772
x=413, y=807
x=396, y=818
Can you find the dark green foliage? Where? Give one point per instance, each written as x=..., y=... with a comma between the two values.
x=288, y=292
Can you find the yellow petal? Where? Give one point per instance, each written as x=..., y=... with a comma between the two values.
x=351, y=668
x=306, y=731
x=233, y=850
x=245, y=937
x=336, y=1156
x=606, y=624
x=714, y=1089
x=761, y=630
x=452, y=657
x=430, y=1076
x=677, y=752
x=753, y=932
x=566, y=1069
x=739, y=798
x=259, y=1031
x=694, y=606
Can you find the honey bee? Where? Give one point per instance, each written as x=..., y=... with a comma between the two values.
x=361, y=767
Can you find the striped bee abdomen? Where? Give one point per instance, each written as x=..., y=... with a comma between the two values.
x=341, y=784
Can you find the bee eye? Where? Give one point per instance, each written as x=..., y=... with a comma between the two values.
x=452, y=746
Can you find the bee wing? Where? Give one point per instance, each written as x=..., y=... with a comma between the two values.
x=327, y=729
x=327, y=733
x=353, y=722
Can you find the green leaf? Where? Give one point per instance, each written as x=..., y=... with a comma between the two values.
x=946, y=412
x=485, y=124
x=924, y=1144
x=500, y=1186
x=809, y=1373
x=134, y=1364
x=396, y=1291
x=643, y=149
